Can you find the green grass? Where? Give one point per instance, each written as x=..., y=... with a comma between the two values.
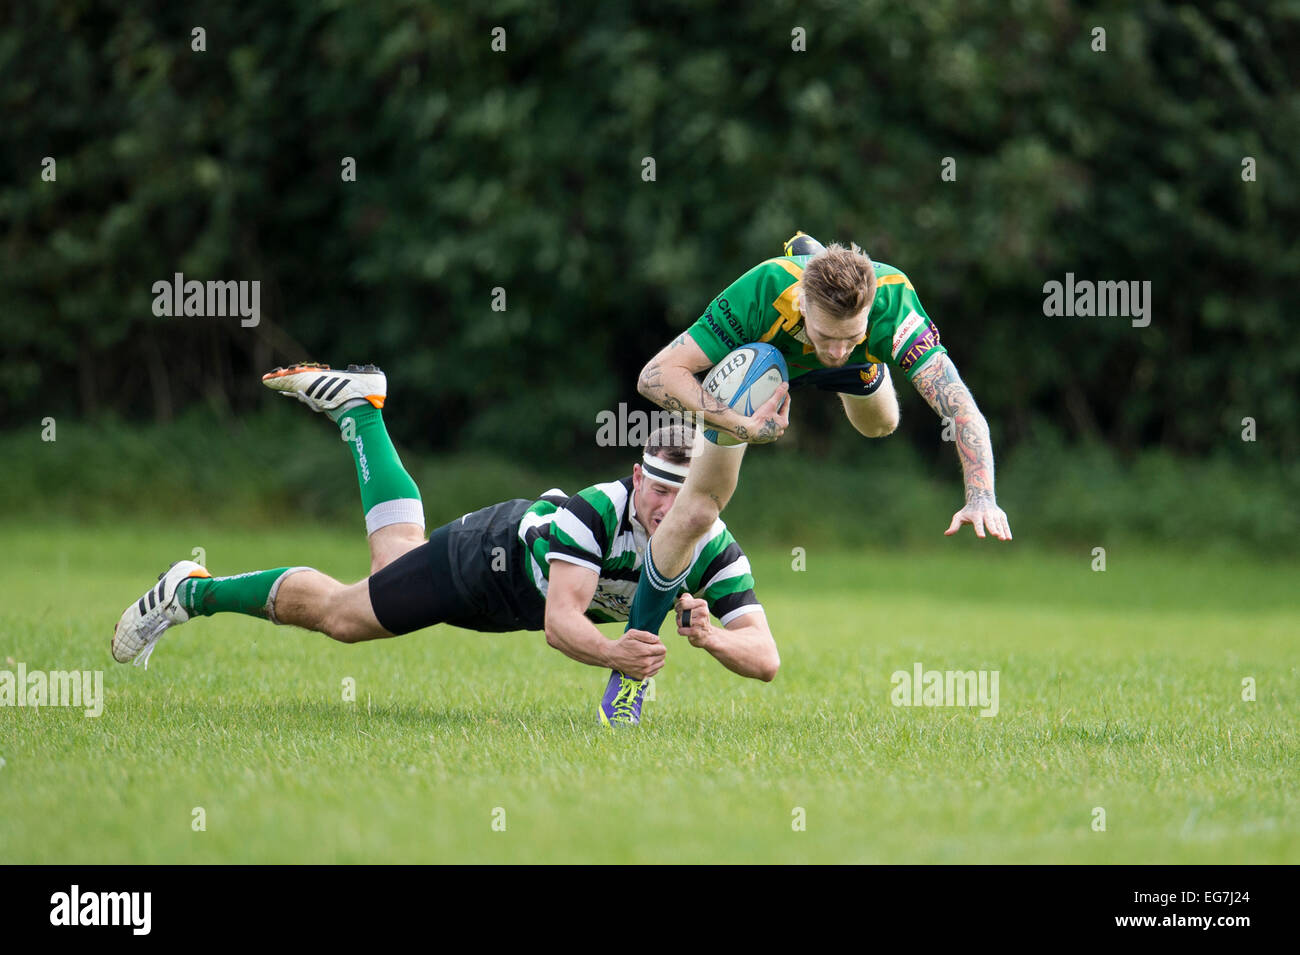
x=1119, y=689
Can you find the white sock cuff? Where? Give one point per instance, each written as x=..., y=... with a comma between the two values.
x=656, y=579
x=402, y=510
x=275, y=590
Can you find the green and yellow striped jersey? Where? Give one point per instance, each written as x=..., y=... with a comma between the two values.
x=760, y=307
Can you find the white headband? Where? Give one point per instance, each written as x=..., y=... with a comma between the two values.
x=664, y=471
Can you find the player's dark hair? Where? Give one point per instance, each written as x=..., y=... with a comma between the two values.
x=673, y=443
x=841, y=280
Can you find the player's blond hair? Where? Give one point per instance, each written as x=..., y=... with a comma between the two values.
x=842, y=281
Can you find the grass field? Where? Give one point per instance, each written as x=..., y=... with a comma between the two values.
x=1120, y=690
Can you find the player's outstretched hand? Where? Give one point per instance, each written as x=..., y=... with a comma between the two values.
x=697, y=631
x=637, y=654
x=981, y=515
x=770, y=420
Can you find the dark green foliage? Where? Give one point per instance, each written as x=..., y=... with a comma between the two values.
x=522, y=170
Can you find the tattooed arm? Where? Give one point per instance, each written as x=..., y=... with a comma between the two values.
x=941, y=386
x=669, y=381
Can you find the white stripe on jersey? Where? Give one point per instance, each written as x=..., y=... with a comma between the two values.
x=617, y=493
x=740, y=611
x=570, y=559
x=737, y=567
x=530, y=521
x=580, y=532
x=717, y=528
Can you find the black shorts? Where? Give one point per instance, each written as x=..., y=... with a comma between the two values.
x=858, y=380
x=470, y=573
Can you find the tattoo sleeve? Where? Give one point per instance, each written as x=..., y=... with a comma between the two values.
x=941, y=386
x=672, y=394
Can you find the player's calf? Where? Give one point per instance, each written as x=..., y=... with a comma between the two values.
x=186, y=590
x=315, y=601
x=714, y=474
x=296, y=596
x=353, y=399
x=348, y=616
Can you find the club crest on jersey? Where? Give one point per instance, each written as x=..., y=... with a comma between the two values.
x=615, y=604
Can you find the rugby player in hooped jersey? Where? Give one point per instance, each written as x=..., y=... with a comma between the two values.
x=556, y=563
x=840, y=320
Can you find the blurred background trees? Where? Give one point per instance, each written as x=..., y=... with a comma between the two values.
x=522, y=170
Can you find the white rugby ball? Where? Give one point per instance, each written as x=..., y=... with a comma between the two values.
x=744, y=379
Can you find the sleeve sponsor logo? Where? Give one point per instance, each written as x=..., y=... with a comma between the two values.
x=905, y=331
x=721, y=333
x=725, y=308
x=926, y=342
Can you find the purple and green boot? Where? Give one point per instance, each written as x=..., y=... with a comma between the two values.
x=621, y=704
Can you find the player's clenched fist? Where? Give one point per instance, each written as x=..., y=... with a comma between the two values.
x=770, y=420
x=693, y=620
x=637, y=654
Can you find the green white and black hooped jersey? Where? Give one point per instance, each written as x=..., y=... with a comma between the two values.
x=595, y=529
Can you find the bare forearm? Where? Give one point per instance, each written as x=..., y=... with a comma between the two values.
x=746, y=651
x=975, y=451
x=948, y=395
x=669, y=381
x=577, y=638
x=675, y=389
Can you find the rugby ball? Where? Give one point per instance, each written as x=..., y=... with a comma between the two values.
x=744, y=379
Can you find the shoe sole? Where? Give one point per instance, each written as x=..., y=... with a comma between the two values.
x=310, y=366
x=158, y=601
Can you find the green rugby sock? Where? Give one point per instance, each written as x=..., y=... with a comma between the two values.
x=388, y=493
x=654, y=597
x=250, y=593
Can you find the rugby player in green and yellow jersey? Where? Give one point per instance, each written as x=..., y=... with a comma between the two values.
x=841, y=321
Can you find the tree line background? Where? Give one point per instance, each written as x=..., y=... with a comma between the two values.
x=522, y=169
